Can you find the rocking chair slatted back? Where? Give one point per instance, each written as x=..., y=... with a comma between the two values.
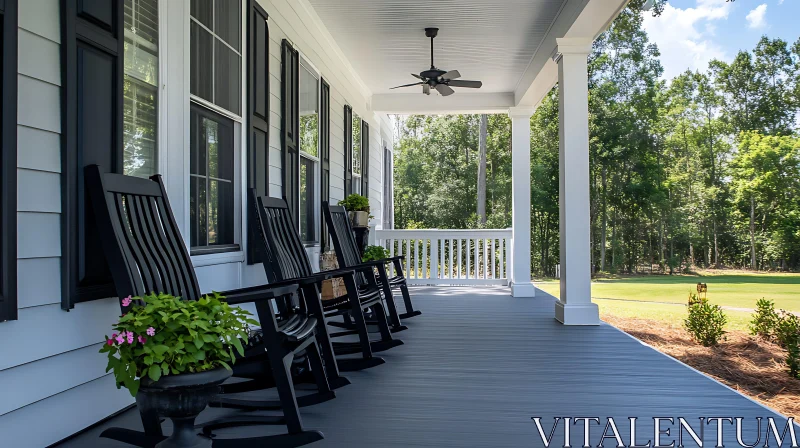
x=285, y=256
x=343, y=240
x=150, y=255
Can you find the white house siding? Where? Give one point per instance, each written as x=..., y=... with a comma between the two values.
x=52, y=380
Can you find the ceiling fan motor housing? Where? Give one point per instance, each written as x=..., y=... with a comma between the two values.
x=432, y=74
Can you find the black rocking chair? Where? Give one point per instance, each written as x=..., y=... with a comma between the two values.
x=146, y=253
x=286, y=262
x=347, y=253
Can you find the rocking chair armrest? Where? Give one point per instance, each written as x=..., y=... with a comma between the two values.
x=397, y=258
x=257, y=293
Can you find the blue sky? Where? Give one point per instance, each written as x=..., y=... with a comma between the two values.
x=690, y=33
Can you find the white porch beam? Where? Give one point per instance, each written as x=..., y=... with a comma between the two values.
x=520, y=278
x=459, y=103
x=574, y=306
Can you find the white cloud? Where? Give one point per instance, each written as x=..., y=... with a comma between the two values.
x=685, y=36
x=780, y=2
x=755, y=18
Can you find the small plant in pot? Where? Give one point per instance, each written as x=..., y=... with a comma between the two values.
x=173, y=354
x=357, y=207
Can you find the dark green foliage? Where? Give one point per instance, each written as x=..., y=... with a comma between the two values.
x=705, y=322
x=764, y=319
x=374, y=253
x=170, y=336
x=787, y=333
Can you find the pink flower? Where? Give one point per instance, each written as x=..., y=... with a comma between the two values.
x=127, y=301
x=120, y=338
x=142, y=339
x=151, y=331
x=110, y=342
x=130, y=337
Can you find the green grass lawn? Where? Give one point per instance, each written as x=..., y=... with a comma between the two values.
x=740, y=290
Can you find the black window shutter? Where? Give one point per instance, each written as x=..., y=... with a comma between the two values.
x=290, y=121
x=348, y=150
x=8, y=164
x=92, y=72
x=364, y=159
x=325, y=153
x=258, y=112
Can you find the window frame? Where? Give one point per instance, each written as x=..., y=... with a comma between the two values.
x=325, y=156
x=238, y=129
x=348, y=150
x=357, y=179
x=316, y=161
x=8, y=163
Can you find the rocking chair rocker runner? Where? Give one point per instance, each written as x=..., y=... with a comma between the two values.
x=145, y=252
x=347, y=253
x=286, y=262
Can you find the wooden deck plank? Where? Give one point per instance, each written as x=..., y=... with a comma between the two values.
x=478, y=364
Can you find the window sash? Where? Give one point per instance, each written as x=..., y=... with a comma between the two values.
x=307, y=207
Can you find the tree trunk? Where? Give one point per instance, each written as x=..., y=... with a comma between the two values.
x=716, y=245
x=482, y=171
x=752, y=232
x=604, y=223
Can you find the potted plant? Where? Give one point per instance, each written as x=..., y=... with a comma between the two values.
x=374, y=253
x=357, y=207
x=173, y=354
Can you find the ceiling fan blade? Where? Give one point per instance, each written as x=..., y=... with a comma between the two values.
x=417, y=76
x=452, y=74
x=465, y=83
x=444, y=89
x=426, y=89
x=408, y=85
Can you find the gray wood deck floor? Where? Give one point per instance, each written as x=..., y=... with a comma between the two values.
x=478, y=364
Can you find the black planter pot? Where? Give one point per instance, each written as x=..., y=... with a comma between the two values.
x=181, y=398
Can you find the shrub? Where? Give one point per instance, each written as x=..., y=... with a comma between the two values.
x=764, y=319
x=787, y=333
x=355, y=203
x=164, y=335
x=373, y=253
x=705, y=321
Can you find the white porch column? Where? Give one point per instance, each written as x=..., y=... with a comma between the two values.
x=520, y=278
x=575, y=306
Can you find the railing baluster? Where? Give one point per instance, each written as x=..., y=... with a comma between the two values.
x=408, y=257
x=458, y=268
x=391, y=255
x=502, y=259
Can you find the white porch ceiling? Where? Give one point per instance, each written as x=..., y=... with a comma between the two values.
x=488, y=40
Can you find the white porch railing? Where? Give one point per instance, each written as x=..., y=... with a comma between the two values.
x=451, y=257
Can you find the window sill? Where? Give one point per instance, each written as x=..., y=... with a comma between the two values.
x=223, y=256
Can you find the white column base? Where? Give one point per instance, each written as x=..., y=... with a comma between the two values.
x=525, y=289
x=582, y=314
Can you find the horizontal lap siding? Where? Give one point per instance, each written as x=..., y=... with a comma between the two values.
x=52, y=379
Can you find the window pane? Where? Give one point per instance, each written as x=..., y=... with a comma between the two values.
x=356, y=145
x=140, y=87
x=202, y=10
x=227, y=78
x=212, y=195
x=309, y=112
x=228, y=18
x=307, y=219
x=201, y=56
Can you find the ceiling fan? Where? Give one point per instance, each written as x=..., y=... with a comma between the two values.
x=442, y=81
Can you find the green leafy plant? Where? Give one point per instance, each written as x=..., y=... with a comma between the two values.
x=164, y=335
x=764, y=319
x=787, y=333
x=705, y=321
x=355, y=203
x=373, y=253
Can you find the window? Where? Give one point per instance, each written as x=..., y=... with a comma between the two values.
x=388, y=188
x=364, y=159
x=356, y=154
x=212, y=180
x=8, y=161
x=309, y=153
x=216, y=109
x=140, y=88
x=216, y=58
